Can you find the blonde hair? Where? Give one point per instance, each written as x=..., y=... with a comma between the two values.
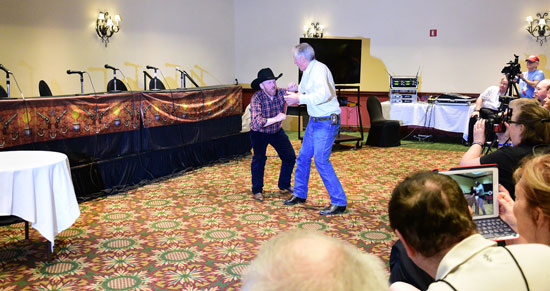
x=308, y=260
x=535, y=173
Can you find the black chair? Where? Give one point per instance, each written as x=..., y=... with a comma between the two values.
x=12, y=219
x=44, y=88
x=119, y=86
x=3, y=93
x=383, y=132
x=160, y=85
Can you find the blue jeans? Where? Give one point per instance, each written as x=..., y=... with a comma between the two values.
x=284, y=148
x=317, y=143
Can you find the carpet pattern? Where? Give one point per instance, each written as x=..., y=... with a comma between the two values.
x=199, y=230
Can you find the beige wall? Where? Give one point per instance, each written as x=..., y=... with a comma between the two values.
x=475, y=38
x=217, y=41
x=42, y=39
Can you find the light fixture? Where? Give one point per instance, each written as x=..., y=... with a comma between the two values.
x=539, y=28
x=314, y=30
x=106, y=27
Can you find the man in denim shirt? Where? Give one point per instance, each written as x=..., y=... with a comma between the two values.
x=316, y=90
x=267, y=111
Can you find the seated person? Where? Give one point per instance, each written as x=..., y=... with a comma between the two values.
x=529, y=215
x=525, y=130
x=430, y=215
x=487, y=105
x=403, y=269
x=541, y=90
x=303, y=260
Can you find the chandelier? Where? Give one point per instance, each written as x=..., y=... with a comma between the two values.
x=314, y=30
x=106, y=27
x=539, y=28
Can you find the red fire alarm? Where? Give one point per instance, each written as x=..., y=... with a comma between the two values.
x=433, y=32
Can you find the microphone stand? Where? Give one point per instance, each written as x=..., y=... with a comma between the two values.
x=154, y=79
x=183, y=76
x=81, y=83
x=8, y=83
x=114, y=80
x=182, y=80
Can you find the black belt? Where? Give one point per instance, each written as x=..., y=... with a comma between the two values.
x=322, y=118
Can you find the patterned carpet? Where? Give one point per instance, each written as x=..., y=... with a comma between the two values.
x=198, y=231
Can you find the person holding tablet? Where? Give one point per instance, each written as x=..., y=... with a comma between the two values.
x=528, y=127
x=529, y=214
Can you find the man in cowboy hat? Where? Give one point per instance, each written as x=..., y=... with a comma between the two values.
x=267, y=111
x=529, y=80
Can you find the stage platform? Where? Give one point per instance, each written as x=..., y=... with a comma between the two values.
x=116, y=141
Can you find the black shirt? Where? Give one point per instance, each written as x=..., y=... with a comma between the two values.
x=507, y=159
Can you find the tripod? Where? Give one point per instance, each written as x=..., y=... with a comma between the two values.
x=512, y=87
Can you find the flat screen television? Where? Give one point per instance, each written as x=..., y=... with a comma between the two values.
x=342, y=57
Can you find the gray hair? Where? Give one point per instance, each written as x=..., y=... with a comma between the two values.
x=305, y=50
x=308, y=260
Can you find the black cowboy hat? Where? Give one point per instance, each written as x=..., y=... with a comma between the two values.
x=263, y=75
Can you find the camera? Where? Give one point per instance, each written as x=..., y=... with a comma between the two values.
x=495, y=122
x=512, y=68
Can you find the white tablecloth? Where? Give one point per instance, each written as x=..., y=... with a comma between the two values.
x=452, y=118
x=37, y=186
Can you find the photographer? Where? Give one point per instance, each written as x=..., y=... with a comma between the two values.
x=529, y=126
x=487, y=105
x=529, y=80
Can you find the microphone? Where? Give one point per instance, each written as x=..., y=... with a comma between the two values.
x=151, y=67
x=75, y=72
x=4, y=69
x=110, y=67
x=179, y=70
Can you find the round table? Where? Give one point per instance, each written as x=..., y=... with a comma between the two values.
x=37, y=186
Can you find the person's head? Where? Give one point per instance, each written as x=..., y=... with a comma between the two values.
x=429, y=212
x=541, y=90
x=266, y=81
x=303, y=55
x=546, y=103
x=532, y=63
x=529, y=124
x=503, y=85
x=308, y=260
x=532, y=206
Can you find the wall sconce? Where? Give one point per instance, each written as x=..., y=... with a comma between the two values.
x=539, y=28
x=314, y=30
x=106, y=27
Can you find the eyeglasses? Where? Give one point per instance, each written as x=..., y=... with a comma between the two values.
x=516, y=122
